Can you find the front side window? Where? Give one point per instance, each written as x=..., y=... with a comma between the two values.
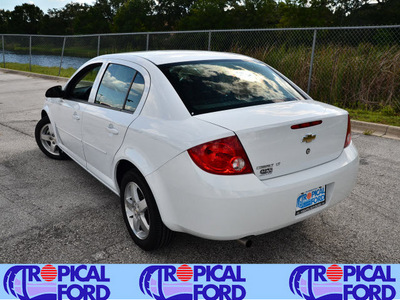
x=115, y=85
x=82, y=84
x=215, y=85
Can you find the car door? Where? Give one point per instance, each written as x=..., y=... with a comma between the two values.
x=105, y=122
x=67, y=112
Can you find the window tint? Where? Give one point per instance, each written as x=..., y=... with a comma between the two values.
x=114, y=86
x=135, y=93
x=214, y=85
x=81, y=85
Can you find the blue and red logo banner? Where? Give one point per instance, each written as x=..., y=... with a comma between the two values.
x=200, y=281
x=344, y=282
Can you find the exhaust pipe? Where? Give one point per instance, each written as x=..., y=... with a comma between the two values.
x=246, y=241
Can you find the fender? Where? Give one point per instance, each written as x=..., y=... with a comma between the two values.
x=46, y=110
x=158, y=141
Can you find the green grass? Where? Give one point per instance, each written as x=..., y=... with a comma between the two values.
x=379, y=116
x=40, y=70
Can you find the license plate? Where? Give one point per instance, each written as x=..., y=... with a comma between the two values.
x=310, y=199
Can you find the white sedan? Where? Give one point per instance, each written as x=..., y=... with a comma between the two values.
x=217, y=145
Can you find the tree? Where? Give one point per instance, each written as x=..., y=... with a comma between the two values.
x=134, y=16
x=94, y=19
x=256, y=13
x=105, y=11
x=5, y=16
x=303, y=13
x=157, y=15
x=26, y=19
x=347, y=6
x=77, y=18
x=54, y=22
x=208, y=14
x=382, y=13
x=170, y=12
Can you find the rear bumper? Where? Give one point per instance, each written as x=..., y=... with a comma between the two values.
x=231, y=207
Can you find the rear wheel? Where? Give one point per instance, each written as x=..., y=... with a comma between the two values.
x=141, y=214
x=47, y=141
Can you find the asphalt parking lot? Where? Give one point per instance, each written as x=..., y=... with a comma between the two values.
x=54, y=211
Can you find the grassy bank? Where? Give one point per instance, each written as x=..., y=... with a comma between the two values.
x=40, y=69
x=378, y=116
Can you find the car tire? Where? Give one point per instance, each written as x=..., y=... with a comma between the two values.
x=141, y=214
x=47, y=141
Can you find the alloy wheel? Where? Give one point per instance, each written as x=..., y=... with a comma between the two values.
x=49, y=140
x=136, y=210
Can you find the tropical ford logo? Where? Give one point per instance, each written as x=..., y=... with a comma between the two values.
x=218, y=282
x=32, y=282
x=368, y=282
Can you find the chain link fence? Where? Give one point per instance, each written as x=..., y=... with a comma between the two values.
x=350, y=67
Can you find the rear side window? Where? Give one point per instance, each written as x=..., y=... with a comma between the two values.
x=135, y=93
x=215, y=85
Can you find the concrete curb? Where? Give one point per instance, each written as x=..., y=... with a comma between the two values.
x=30, y=74
x=381, y=130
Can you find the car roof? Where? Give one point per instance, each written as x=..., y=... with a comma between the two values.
x=175, y=56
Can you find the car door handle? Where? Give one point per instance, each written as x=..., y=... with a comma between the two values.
x=112, y=130
x=76, y=116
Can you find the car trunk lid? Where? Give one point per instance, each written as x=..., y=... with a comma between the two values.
x=274, y=148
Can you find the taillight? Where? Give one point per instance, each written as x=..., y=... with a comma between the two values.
x=348, y=133
x=224, y=157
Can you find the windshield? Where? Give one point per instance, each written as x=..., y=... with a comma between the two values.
x=214, y=85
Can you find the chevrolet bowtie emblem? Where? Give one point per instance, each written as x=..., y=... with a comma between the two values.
x=309, y=138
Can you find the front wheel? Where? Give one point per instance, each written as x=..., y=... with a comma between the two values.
x=141, y=214
x=47, y=141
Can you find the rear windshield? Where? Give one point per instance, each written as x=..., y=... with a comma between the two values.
x=214, y=85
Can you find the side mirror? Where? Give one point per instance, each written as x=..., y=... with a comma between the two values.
x=55, y=92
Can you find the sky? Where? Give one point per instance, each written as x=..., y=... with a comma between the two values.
x=43, y=4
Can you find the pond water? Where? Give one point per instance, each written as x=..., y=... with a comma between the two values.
x=44, y=60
